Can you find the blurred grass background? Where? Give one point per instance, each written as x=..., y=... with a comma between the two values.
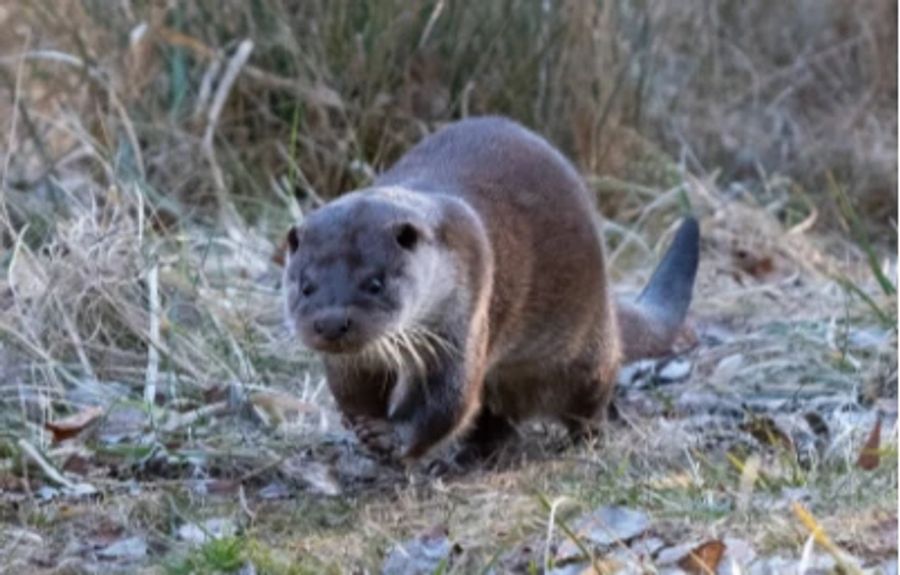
x=335, y=90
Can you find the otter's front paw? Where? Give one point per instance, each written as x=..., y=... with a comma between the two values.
x=376, y=435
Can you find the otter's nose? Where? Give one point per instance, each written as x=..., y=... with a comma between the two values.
x=333, y=326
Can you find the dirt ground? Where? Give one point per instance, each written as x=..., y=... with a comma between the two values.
x=756, y=429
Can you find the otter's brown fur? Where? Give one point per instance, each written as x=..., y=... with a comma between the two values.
x=503, y=272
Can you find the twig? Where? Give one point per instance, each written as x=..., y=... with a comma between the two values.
x=191, y=417
x=212, y=118
x=206, y=85
x=245, y=507
x=152, y=349
x=805, y=225
x=10, y=144
x=76, y=339
x=307, y=186
x=320, y=95
x=432, y=20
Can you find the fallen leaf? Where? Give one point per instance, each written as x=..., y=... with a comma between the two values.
x=869, y=457
x=77, y=464
x=71, y=426
x=703, y=559
x=757, y=266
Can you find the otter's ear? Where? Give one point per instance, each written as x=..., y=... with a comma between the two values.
x=408, y=235
x=293, y=239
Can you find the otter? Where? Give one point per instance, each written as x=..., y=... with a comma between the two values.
x=465, y=292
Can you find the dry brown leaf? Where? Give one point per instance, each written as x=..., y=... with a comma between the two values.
x=71, y=426
x=758, y=266
x=869, y=457
x=77, y=464
x=703, y=559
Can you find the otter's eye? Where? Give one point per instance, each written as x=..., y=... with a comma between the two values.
x=407, y=236
x=307, y=288
x=374, y=286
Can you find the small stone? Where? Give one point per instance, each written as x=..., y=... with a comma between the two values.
x=635, y=374
x=676, y=370
x=275, y=490
x=870, y=338
x=424, y=554
x=47, y=493
x=198, y=534
x=128, y=549
x=737, y=552
x=605, y=526
x=80, y=490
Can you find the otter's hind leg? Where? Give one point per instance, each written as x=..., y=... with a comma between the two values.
x=588, y=406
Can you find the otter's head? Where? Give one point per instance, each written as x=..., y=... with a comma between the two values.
x=356, y=270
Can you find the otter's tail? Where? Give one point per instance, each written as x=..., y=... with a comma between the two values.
x=649, y=325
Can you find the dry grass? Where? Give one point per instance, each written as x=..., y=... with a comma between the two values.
x=149, y=170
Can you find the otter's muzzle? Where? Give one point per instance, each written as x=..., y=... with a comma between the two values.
x=332, y=326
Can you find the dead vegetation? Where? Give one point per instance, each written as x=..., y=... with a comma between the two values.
x=154, y=413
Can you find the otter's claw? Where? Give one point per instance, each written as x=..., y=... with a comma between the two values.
x=376, y=435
